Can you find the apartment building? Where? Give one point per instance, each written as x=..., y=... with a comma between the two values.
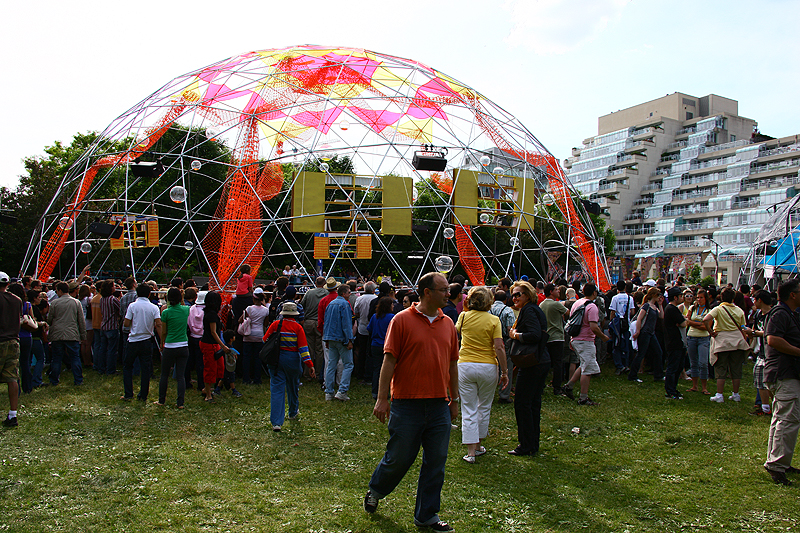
x=684, y=181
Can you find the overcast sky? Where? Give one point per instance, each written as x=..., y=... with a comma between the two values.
x=557, y=65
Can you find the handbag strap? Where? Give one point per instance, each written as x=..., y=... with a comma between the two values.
x=734, y=321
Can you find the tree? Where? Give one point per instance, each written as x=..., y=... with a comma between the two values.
x=33, y=194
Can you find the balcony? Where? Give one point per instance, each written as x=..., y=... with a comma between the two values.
x=744, y=204
x=613, y=185
x=694, y=226
x=685, y=210
x=629, y=246
x=652, y=187
x=634, y=216
x=698, y=193
x=641, y=202
x=674, y=146
x=633, y=231
x=668, y=158
x=687, y=130
x=772, y=183
x=692, y=243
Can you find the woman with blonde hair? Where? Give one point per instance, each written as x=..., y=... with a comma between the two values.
x=481, y=351
x=726, y=324
x=529, y=352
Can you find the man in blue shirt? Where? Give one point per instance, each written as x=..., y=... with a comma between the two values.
x=337, y=334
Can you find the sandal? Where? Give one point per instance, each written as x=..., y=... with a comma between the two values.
x=480, y=451
x=209, y=399
x=693, y=389
x=469, y=458
x=706, y=393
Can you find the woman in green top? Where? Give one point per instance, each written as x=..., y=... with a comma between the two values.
x=174, y=345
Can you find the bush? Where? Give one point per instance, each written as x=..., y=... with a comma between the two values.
x=707, y=281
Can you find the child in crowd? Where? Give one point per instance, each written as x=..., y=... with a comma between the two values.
x=229, y=379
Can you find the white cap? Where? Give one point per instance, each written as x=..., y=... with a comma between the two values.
x=4, y=277
x=650, y=283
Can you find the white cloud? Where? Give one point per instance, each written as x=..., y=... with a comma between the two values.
x=550, y=27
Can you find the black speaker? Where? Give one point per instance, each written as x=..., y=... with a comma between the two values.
x=432, y=160
x=105, y=230
x=147, y=170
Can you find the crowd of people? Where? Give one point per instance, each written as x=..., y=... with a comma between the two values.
x=429, y=353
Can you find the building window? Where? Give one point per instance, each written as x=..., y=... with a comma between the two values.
x=689, y=115
x=733, y=138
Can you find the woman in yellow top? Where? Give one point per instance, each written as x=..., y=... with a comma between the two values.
x=698, y=342
x=481, y=351
x=725, y=324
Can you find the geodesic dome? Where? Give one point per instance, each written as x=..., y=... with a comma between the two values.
x=774, y=254
x=155, y=184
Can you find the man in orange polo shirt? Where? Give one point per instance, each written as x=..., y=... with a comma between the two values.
x=421, y=365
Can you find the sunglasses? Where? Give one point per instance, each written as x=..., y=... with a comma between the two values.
x=516, y=294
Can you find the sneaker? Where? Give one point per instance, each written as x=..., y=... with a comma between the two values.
x=10, y=422
x=437, y=526
x=636, y=380
x=370, y=502
x=567, y=391
x=276, y=428
x=480, y=451
x=757, y=411
x=342, y=396
x=735, y=397
x=328, y=397
x=717, y=398
x=617, y=372
x=587, y=401
x=674, y=396
x=236, y=393
x=297, y=414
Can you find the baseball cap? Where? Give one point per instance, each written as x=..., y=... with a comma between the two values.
x=650, y=283
x=4, y=277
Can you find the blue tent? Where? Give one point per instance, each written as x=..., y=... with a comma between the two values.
x=785, y=257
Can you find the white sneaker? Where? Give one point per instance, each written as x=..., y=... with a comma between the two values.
x=342, y=396
x=717, y=398
x=328, y=397
x=276, y=428
x=735, y=397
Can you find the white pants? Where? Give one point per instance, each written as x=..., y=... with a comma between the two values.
x=476, y=385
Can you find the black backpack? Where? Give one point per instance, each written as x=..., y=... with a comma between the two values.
x=271, y=351
x=573, y=325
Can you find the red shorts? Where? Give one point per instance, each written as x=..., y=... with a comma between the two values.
x=213, y=369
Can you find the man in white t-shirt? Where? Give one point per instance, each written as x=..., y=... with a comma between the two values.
x=621, y=311
x=142, y=317
x=361, y=313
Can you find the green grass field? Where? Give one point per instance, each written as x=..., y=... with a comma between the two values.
x=81, y=460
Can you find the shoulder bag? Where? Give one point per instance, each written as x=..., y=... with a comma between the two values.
x=271, y=351
x=246, y=326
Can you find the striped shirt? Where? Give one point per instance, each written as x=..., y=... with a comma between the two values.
x=293, y=339
x=109, y=307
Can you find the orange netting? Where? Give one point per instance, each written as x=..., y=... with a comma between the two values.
x=470, y=260
x=444, y=183
x=54, y=247
x=235, y=238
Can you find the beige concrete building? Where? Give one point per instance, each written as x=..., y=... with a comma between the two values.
x=685, y=179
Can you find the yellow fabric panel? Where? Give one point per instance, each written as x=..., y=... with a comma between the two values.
x=322, y=247
x=526, y=201
x=465, y=197
x=364, y=247
x=152, y=233
x=308, y=198
x=397, y=192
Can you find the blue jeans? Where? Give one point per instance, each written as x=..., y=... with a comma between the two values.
x=698, y=356
x=70, y=350
x=622, y=346
x=98, y=357
x=338, y=350
x=142, y=350
x=648, y=343
x=251, y=362
x=38, y=367
x=412, y=423
x=25, y=346
x=284, y=382
x=172, y=357
x=674, y=366
x=109, y=345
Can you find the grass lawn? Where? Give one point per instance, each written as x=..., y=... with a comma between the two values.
x=81, y=460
